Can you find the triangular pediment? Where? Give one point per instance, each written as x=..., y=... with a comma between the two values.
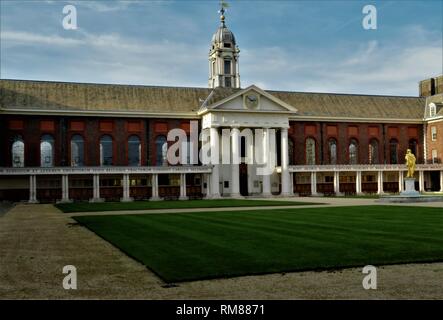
x=250, y=99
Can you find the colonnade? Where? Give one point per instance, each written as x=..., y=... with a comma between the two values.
x=380, y=180
x=96, y=188
x=235, y=146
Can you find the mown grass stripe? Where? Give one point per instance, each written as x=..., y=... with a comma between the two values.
x=203, y=245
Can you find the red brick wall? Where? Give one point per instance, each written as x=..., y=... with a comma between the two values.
x=362, y=132
x=63, y=128
x=159, y=127
x=92, y=128
x=438, y=144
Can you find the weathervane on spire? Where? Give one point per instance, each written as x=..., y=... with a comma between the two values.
x=223, y=6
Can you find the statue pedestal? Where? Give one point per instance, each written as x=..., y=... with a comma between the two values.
x=410, y=195
x=410, y=188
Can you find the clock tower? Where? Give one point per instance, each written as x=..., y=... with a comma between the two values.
x=223, y=57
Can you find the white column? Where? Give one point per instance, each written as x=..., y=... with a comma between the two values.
x=65, y=190
x=358, y=190
x=235, y=169
x=441, y=181
x=237, y=73
x=126, y=190
x=154, y=187
x=337, y=183
x=380, y=182
x=401, y=181
x=421, y=181
x=183, y=187
x=96, y=184
x=208, y=185
x=266, y=177
x=285, y=191
x=314, y=183
x=215, y=161
x=32, y=189
x=291, y=183
x=96, y=189
x=252, y=169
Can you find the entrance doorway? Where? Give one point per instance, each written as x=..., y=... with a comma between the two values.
x=435, y=180
x=244, y=179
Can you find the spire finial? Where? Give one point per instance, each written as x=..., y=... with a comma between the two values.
x=223, y=5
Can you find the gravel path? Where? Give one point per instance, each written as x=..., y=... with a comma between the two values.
x=37, y=241
x=5, y=207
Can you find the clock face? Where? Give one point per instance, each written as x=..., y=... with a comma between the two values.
x=251, y=100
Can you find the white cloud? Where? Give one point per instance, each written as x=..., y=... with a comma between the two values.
x=374, y=67
x=100, y=6
x=10, y=38
x=364, y=54
x=112, y=58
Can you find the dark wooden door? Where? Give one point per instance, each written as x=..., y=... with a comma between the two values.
x=244, y=179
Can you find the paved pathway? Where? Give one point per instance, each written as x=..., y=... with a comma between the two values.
x=36, y=241
x=5, y=207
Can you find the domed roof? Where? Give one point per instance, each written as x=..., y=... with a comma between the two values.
x=223, y=34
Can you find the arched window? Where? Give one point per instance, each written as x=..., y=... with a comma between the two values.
x=18, y=152
x=291, y=151
x=432, y=109
x=242, y=146
x=332, y=151
x=134, y=151
x=353, y=152
x=373, y=152
x=393, y=151
x=310, y=151
x=47, y=151
x=77, y=151
x=106, y=151
x=161, y=147
x=413, y=146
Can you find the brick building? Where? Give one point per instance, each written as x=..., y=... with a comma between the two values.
x=76, y=141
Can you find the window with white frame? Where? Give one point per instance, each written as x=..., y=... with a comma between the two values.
x=434, y=156
x=47, y=151
x=310, y=151
x=434, y=133
x=18, y=152
x=134, y=151
x=77, y=151
x=432, y=110
x=353, y=152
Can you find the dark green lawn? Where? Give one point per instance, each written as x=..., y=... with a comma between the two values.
x=173, y=204
x=191, y=246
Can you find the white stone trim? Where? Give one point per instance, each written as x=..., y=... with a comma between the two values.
x=210, y=108
x=104, y=170
x=362, y=167
x=102, y=113
x=357, y=120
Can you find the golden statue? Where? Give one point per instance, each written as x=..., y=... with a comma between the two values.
x=410, y=162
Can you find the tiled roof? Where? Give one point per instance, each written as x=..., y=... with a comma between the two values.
x=26, y=94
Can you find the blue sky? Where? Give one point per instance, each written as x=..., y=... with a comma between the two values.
x=317, y=46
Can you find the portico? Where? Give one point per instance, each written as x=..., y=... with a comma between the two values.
x=243, y=130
